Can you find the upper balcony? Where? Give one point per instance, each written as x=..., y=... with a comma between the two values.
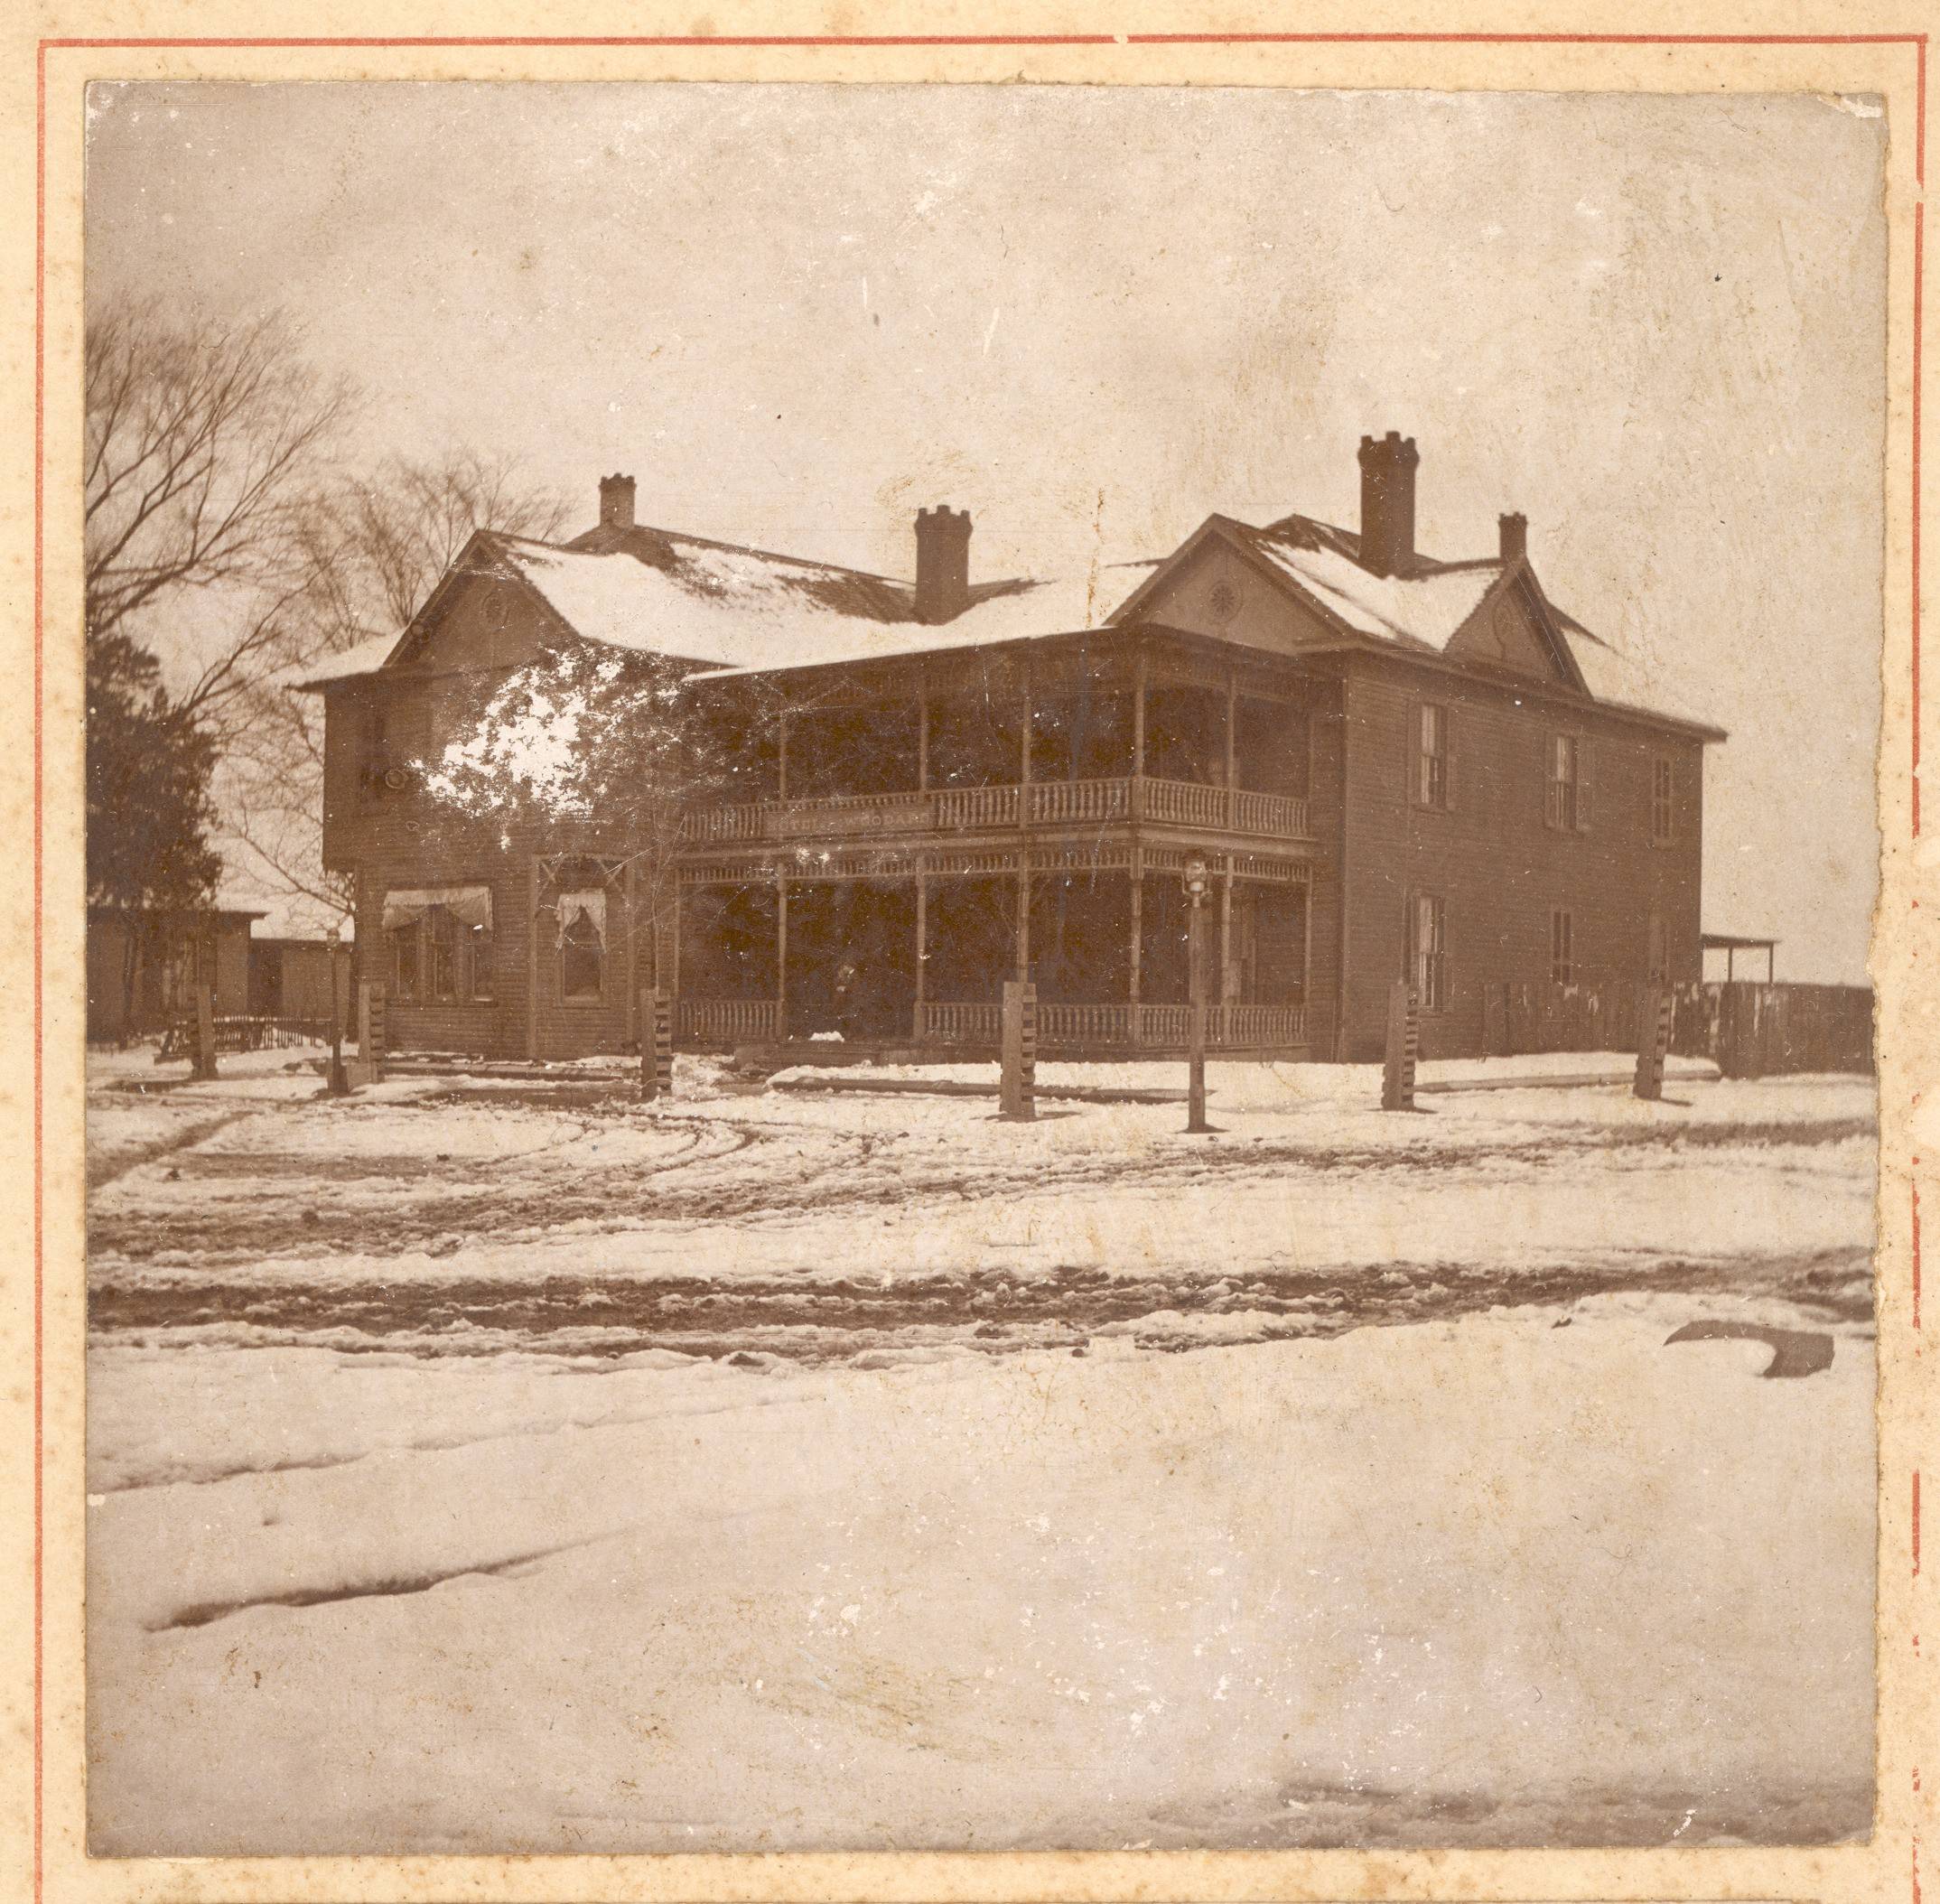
x=1002, y=808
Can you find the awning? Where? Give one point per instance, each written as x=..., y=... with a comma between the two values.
x=591, y=904
x=470, y=905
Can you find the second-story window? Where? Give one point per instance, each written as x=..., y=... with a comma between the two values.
x=1431, y=755
x=1663, y=807
x=1563, y=804
x=374, y=760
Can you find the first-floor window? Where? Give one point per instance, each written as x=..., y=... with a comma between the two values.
x=1428, y=950
x=1562, y=948
x=582, y=945
x=440, y=940
x=441, y=935
x=405, y=964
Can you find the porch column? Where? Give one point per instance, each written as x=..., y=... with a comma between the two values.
x=782, y=762
x=1225, y=935
x=633, y=956
x=1023, y=749
x=1138, y=934
x=1306, y=954
x=1138, y=741
x=922, y=955
x=781, y=955
x=922, y=736
x=532, y=958
x=669, y=980
x=1024, y=916
x=1232, y=760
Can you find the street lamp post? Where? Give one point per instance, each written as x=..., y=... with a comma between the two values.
x=1196, y=888
x=338, y=1085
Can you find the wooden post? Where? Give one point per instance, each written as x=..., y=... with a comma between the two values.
x=1017, y=1102
x=781, y=756
x=1138, y=737
x=922, y=958
x=365, y=1071
x=205, y=1027
x=1652, y=1044
x=1196, y=1124
x=1138, y=940
x=1397, y=1076
x=922, y=736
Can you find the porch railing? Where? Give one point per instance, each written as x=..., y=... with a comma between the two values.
x=1129, y=1027
x=1038, y=803
x=725, y=1021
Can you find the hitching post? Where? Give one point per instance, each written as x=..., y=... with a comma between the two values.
x=205, y=1028
x=660, y=1018
x=337, y=1084
x=1397, y=1075
x=1652, y=1044
x=1018, y=1103
x=1196, y=887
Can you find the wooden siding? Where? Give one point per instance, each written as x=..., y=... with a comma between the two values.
x=1491, y=857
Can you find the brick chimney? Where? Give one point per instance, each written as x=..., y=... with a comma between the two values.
x=616, y=502
x=942, y=563
x=1515, y=531
x=1388, y=504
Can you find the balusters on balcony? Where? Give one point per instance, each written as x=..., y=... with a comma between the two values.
x=1041, y=803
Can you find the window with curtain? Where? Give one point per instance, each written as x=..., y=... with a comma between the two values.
x=583, y=946
x=440, y=940
x=1431, y=756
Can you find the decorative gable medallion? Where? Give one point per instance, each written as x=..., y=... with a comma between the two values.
x=1223, y=602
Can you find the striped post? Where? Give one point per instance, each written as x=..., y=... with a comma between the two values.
x=1017, y=1102
x=1653, y=1043
x=1403, y=1040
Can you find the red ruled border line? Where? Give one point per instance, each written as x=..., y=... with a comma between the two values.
x=745, y=42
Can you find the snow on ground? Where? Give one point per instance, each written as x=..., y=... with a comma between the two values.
x=772, y=1469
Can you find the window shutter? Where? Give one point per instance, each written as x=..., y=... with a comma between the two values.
x=1545, y=767
x=1408, y=946
x=1411, y=742
x=1449, y=751
x=1586, y=782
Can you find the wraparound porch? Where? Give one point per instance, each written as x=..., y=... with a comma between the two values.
x=902, y=949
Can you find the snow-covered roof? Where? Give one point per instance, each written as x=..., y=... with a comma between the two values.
x=1024, y=610
x=365, y=658
x=735, y=611
x=1426, y=607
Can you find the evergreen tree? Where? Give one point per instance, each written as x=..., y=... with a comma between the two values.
x=148, y=806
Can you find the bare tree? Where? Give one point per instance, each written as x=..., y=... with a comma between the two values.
x=206, y=443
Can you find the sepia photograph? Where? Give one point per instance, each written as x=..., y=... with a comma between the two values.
x=980, y=967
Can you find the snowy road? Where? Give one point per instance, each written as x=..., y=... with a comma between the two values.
x=812, y=1471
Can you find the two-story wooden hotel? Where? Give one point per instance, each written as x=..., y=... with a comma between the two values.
x=1394, y=765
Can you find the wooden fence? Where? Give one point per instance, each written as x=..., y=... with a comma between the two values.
x=1747, y=1029
x=246, y=1031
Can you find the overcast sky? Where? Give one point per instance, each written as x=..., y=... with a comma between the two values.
x=1093, y=316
